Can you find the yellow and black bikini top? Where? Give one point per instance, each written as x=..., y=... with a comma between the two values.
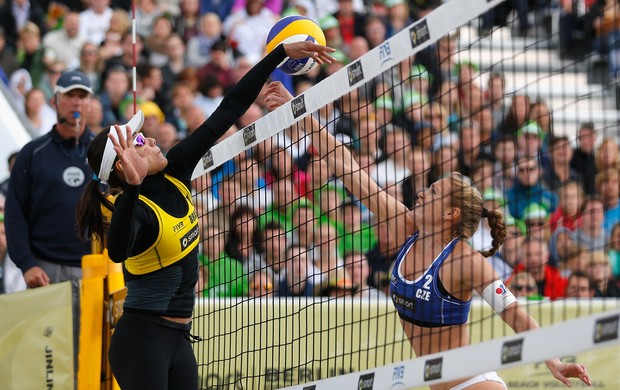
x=177, y=236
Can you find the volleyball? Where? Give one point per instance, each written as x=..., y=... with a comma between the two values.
x=291, y=29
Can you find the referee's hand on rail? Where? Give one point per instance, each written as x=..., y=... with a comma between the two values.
x=36, y=277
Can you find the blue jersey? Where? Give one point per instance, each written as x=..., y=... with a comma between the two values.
x=425, y=301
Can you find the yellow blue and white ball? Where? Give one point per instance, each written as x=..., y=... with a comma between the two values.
x=292, y=29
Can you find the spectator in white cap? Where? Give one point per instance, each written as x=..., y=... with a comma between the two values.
x=536, y=220
x=529, y=139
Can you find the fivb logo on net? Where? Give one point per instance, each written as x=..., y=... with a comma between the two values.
x=397, y=377
x=385, y=53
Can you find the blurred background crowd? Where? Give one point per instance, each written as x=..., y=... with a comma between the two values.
x=274, y=220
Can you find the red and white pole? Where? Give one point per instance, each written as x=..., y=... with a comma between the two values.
x=134, y=60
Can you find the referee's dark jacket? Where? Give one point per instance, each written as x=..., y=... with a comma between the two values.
x=46, y=183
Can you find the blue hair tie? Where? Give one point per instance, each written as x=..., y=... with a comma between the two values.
x=96, y=178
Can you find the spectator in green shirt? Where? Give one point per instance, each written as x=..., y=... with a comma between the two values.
x=223, y=276
x=354, y=234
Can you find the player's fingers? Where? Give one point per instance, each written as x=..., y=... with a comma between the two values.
x=129, y=135
x=41, y=281
x=119, y=140
x=566, y=382
x=323, y=57
x=274, y=85
x=321, y=48
x=584, y=376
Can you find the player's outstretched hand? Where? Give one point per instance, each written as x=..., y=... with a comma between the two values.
x=276, y=95
x=305, y=49
x=134, y=166
x=563, y=371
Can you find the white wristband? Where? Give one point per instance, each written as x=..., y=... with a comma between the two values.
x=498, y=296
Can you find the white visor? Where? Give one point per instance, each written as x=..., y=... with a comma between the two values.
x=109, y=155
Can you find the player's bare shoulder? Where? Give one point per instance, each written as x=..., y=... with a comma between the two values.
x=463, y=252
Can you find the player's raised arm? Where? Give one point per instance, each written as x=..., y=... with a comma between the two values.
x=340, y=161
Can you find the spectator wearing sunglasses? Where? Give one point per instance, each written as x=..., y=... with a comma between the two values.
x=523, y=286
x=528, y=188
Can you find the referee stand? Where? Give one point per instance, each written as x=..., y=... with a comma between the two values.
x=102, y=296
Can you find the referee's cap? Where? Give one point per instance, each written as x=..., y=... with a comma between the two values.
x=73, y=79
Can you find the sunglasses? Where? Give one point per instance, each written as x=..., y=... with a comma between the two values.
x=535, y=223
x=523, y=288
x=527, y=169
x=139, y=140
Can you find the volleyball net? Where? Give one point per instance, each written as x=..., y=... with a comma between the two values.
x=295, y=270
x=586, y=334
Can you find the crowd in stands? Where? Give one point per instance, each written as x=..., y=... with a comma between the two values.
x=274, y=220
